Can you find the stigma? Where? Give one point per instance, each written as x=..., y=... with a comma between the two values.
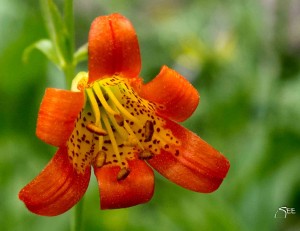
x=116, y=125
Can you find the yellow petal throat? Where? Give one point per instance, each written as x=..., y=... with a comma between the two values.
x=116, y=125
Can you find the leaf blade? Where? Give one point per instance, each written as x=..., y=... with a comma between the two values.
x=45, y=46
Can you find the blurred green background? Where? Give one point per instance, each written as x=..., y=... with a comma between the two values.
x=244, y=58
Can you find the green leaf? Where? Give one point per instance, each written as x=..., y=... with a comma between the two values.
x=46, y=47
x=81, y=54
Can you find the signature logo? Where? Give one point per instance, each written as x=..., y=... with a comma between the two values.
x=283, y=211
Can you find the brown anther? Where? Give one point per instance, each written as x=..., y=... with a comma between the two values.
x=119, y=119
x=145, y=155
x=123, y=173
x=100, y=159
x=96, y=130
x=149, y=130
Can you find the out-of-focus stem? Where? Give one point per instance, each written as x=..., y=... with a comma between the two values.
x=76, y=219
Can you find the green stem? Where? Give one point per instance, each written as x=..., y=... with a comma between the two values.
x=69, y=69
x=69, y=16
x=77, y=216
x=69, y=23
x=69, y=72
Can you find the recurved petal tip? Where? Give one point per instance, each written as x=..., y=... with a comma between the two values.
x=120, y=192
x=58, y=112
x=57, y=188
x=198, y=166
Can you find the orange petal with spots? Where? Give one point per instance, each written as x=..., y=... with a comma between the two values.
x=136, y=188
x=198, y=167
x=58, y=112
x=113, y=48
x=174, y=92
x=57, y=188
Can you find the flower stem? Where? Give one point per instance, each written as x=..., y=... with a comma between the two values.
x=76, y=219
x=69, y=72
x=69, y=69
x=69, y=22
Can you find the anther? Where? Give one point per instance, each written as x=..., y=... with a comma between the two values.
x=79, y=83
x=149, y=130
x=123, y=173
x=82, y=83
x=95, y=129
x=119, y=119
x=145, y=155
x=100, y=159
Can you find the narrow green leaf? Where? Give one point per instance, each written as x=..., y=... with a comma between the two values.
x=46, y=47
x=81, y=54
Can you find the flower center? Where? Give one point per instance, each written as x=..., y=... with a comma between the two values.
x=115, y=126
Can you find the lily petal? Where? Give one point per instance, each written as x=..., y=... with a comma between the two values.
x=58, y=112
x=174, y=92
x=113, y=48
x=135, y=189
x=198, y=167
x=57, y=188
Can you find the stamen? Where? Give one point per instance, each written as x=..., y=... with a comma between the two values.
x=119, y=119
x=119, y=129
x=100, y=96
x=95, y=129
x=111, y=137
x=117, y=122
x=123, y=173
x=94, y=105
x=120, y=107
x=145, y=155
x=100, y=159
x=149, y=130
x=100, y=143
x=132, y=135
x=79, y=83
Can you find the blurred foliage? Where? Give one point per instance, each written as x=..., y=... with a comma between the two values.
x=244, y=58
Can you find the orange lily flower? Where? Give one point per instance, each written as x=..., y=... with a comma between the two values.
x=114, y=123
